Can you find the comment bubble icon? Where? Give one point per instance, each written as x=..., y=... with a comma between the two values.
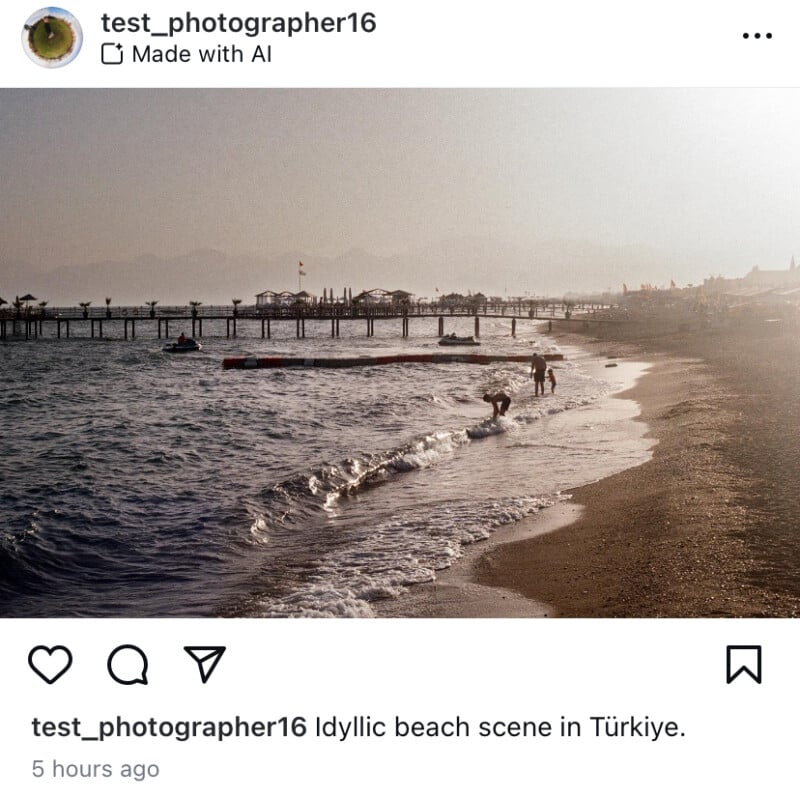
x=127, y=664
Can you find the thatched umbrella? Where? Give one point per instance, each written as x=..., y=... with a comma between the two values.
x=26, y=299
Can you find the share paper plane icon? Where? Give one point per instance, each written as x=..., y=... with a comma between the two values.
x=206, y=657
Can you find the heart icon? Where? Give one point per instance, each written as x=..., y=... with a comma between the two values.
x=50, y=663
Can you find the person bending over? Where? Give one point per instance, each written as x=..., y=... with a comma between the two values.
x=500, y=402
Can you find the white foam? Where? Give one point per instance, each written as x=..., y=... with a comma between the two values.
x=395, y=554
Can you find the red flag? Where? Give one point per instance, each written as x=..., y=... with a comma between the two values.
x=300, y=268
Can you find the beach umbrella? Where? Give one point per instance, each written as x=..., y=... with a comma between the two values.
x=2, y=301
x=28, y=298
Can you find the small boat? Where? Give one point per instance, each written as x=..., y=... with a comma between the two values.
x=458, y=340
x=189, y=345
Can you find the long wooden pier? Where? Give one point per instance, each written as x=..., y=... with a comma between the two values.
x=31, y=323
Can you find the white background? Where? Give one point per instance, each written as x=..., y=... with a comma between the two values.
x=739, y=738
x=466, y=44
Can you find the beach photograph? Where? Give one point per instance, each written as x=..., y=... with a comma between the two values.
x=399, y=353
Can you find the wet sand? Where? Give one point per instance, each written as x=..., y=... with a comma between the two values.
x=706, y=528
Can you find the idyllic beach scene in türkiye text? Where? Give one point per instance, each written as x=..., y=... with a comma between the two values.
x=418, y=353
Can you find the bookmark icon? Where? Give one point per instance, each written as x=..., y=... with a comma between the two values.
x=743, y=660
x=206, y=657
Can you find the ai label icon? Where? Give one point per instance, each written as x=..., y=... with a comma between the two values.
x=111, y=53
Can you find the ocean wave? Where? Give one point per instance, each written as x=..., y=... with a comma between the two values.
x=140, y=483
x=323, y=487
x=393, y=556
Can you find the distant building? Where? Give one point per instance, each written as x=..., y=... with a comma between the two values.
x=276, y=299
x=460, y=300
x=762, y=286
x=757, y=282
x=772, y=278
x=381, y=297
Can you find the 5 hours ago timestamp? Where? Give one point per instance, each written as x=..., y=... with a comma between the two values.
x=54, y=769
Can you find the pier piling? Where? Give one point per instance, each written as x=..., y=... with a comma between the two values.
x=56, y=322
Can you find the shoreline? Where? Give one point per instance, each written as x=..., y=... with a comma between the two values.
x=662, y=539
x=673, y=537
x=457, y=592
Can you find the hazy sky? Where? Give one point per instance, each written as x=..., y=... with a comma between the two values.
x=708, y=179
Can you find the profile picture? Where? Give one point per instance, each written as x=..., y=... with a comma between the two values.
x=52, y=37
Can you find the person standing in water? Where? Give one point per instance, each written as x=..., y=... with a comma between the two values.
x=552, y=378
x=538, y=369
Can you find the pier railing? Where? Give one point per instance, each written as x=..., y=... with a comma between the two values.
x=317, y=310
x=32, y=322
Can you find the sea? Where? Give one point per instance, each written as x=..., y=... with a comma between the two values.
x=140, y=483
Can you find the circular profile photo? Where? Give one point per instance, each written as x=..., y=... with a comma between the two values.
x=52, y=37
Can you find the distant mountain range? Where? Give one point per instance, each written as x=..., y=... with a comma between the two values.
x=549, y=268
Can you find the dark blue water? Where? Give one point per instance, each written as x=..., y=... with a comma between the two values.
x=140, y=483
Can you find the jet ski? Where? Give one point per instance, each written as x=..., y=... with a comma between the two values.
x=458, y=340
x=189, y=345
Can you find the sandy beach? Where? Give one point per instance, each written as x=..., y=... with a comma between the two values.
x=706, y=528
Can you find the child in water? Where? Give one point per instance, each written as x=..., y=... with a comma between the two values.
x=552, y=378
